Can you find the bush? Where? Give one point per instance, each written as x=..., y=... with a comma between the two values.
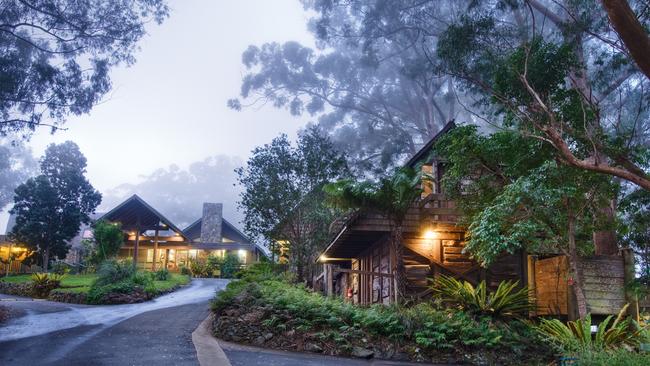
x=162, y=274
x=199, y=268
x=61, y=268
x=44, y=283
x=185, y=271
x=97, y=293
x=506, y=301
x=576, y=335
x=421, y=327
x=114, y=271
x=230, y=266
x=611, y=358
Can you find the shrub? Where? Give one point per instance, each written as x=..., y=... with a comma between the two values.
x=199, y=268
x=213, y=264
x=162, y=274
x=230, y=266
x=61, y=268
x=114, y=271
x=506, y=301
x=97, y=293
x=44, y=283
x=618, y=357
x=185, y=271
x=576, y=335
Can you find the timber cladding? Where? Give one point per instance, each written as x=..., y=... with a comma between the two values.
x=602, y=277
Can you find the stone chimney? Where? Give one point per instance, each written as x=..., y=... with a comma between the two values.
x=211, y=222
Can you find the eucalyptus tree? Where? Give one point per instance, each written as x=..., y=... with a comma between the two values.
x=50, y=207
x=391, y=196
x=16, y=165
x=378, y=103
x=56, y=55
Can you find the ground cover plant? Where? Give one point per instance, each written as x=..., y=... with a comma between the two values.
x=115, y=282
x=264, y=308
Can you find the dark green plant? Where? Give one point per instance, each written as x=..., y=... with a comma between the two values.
x=108, y=239
x=162, y=274
x=185, y=271
x=508, y=300
x=113, y=271
x=577, y=336
x=61, y=268
x=199, y=268
x=43, y=283
x=230, y=266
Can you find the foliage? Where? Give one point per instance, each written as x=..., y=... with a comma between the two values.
x=200, y=268
x=282, y=198
x=513, y=195
x=423, y=325
x=113, y=271
x=97, y=293
x=162, y=274
x=50, y=207
x=61, y=268
x=576, y=335
x=44, y=283
x=172, y=282
x=391, y=196
x=505, y=301
x=617, y=357
x=230, y=266
x=16, y=165
x=57, y=56
x=108, y=239
x=634, y=228
x=185, y=271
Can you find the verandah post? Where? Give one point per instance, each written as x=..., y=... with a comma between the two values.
x=629, y=272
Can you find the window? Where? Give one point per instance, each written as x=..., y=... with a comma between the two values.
x=241, y=253
x=149, y=255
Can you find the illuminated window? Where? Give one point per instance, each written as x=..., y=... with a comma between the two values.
x=192, y=253
x=241, y=253
x=149, y=255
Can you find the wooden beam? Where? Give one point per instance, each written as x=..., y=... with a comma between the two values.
x=378, y=274
x=155, y=250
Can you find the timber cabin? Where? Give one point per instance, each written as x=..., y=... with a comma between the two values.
x=359, y=265
x=159, y=243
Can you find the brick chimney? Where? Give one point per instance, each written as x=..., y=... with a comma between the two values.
x=211, y=222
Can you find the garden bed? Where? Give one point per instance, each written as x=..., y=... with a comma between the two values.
x=75, y=288
x=263, y=310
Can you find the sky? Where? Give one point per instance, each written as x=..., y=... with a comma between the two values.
x=170, y=107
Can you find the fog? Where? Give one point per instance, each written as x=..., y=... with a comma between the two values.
x=165, y=131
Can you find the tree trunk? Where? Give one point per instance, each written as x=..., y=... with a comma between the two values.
x=631, y=31
x=574, y=269
x=399, y=271
x=46, y=259
x=605, y=240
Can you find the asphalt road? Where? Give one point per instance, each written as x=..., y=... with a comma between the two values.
x=152, y=333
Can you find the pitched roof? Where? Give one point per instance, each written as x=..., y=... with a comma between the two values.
x=426, y=149
x=134, y=213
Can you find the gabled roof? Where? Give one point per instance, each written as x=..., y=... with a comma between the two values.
x=135, y=213
x=426, y=149
x=193, y=231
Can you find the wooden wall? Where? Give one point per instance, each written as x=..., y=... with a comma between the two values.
x=602, y=278
x=370, y=288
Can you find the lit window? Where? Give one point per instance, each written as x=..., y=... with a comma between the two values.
x=241, y=253
x=192, y=253
x=149, y=255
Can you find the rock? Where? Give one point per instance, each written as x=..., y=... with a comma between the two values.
x=361, y=352
x=400, y=356
x=268, y=336
x=312, y=347
x=290, y=333
x=253, y=316
x=258, y=341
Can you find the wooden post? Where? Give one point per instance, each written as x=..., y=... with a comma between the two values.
x=167, y=259
x=629, y=272
x=137, y=244
x=9, y=260
x=530, y=269
x=329, y=278
x=155, y=249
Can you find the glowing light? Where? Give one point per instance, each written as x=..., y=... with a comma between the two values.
x=430, y=234
x=323, y=258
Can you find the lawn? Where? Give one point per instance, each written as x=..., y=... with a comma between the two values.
x=82, y=282
x=78, y=280
x=173, y=281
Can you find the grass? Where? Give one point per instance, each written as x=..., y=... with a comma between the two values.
x=81, y=282
x=173, y=281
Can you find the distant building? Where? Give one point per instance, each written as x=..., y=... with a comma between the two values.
x=159, y=243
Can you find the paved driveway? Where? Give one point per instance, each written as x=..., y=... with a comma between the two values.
x=157, y=332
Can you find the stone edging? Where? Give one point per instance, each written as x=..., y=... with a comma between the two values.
x=208, y=351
